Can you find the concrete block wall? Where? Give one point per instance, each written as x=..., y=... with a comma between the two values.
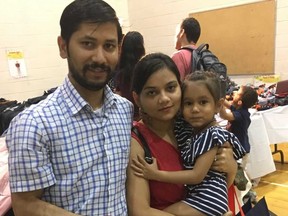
x=33, y=26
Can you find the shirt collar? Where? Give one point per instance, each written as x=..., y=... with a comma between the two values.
x=76, y=103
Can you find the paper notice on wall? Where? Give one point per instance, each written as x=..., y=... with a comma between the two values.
x=266, y=80
x=16, y=63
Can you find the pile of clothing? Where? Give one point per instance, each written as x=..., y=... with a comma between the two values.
x=267, y=97
x=10, y=108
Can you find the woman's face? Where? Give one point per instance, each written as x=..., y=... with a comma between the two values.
x=161, y=95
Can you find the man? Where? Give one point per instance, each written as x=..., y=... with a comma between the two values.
x=68, y=154
x=187, y=35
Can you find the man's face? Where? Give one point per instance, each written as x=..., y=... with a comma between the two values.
x=178, y=37
x=92, y=55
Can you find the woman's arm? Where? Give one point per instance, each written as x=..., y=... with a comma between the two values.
x=29, y=203
x=138, y=193
x=193, y=176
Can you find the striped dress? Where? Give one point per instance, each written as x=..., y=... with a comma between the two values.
x=210, y=196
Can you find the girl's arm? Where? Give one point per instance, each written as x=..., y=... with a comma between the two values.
x=138, y=192
x=194, y=176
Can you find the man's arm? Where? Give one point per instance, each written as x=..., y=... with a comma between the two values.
x=29, y=203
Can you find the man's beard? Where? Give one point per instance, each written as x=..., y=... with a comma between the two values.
x=85, y=83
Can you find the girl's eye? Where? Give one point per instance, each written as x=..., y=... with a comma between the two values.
x=203, y=102
x=187, y=103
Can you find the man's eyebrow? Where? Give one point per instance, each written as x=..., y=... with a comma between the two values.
x=88, y=37
x=112, y=40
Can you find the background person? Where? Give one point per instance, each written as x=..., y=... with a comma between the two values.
x=132, y=49
x=188, y=33
x=238, y=117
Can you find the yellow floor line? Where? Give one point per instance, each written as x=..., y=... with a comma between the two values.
x=281, y=185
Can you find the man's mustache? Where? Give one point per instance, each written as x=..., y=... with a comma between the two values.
x=95, y=67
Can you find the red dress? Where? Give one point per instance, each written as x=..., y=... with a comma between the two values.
x=162, y=194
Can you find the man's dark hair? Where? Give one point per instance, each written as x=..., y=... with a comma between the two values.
x=192, y=29
x=87, y=11
x=249, y=97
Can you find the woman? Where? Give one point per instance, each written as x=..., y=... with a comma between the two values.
x=132, y=49
x=156, y=90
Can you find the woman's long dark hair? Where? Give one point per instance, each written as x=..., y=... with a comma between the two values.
x=132, y=49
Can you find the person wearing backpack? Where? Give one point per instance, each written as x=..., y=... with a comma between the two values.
x=190, y=58
x=188, y=33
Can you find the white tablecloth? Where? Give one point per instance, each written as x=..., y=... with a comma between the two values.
x=267, y=127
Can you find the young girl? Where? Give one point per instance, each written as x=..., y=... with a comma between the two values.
x=206, y=188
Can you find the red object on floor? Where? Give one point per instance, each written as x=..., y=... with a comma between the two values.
x=231, y=200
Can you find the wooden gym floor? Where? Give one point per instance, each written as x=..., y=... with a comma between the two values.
x=274, y=186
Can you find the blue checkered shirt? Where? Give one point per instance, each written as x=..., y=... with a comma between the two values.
x=77, y=156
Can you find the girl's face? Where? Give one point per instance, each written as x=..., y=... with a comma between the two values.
x=161, y=96
x=198, y=106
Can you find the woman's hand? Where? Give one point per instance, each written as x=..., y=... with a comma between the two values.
x=224, y=159
x=143, y=169
x=225, y=162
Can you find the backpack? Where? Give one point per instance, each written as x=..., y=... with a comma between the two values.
x=203, y=59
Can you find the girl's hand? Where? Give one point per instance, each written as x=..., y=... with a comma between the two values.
x=143, y=169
